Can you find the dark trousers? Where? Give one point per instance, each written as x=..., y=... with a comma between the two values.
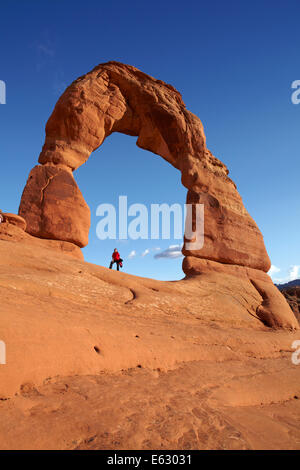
x=118, y=264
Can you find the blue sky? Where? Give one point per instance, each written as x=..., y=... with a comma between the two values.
x=234, y=63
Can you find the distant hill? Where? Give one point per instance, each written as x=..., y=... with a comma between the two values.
x=294, y=283
x=291, y=291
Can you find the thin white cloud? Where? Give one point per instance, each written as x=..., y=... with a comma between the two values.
x=132, y=254
x=294, y=272
x=46, y=49
x=45, y=53
x=59, y=83
x=146, y=252
x=174, y=251
x=273, y=270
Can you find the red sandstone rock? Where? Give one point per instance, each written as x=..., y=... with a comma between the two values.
x=272, y=308
x=229, y=237
x=14, y=219
x=13, y=233
x=53, y=206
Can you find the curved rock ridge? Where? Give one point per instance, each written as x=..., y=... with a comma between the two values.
x=14, y=219
x=12, y=230
x=272, y=310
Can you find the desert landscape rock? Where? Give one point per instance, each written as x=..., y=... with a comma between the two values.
x=53, y=206
x=115, y=97
x=271, y=300
x=13, y=230
x=14, y=219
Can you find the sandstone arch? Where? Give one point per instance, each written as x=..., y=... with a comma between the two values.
x=114, y=97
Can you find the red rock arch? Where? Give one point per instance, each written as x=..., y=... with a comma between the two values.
x=119, y=98
x=114, y=97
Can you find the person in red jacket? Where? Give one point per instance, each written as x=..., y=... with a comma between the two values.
x=116, y=259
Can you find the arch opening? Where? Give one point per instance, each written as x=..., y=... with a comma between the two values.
x=119, y=168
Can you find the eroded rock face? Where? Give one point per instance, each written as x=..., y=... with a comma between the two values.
x=272, y=308
x=230, y=236
x=12, y=231
x=114, y=97
x=14, y=219
x=53, y=206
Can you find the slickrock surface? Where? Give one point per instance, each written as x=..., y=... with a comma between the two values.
x=100, y=359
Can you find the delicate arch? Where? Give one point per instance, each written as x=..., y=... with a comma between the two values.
x=114, y=97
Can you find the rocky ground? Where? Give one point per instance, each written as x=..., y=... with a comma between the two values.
x=98, y=359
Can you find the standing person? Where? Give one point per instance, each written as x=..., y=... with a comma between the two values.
x=1, y=217
x=116, y=259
